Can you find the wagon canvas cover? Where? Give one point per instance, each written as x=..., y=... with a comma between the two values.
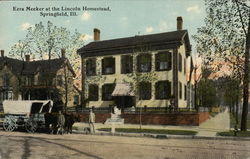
x=20, y=107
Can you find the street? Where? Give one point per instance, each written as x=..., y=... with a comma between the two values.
x=38, y=146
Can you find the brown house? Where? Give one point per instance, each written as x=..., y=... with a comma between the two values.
x=40, y=80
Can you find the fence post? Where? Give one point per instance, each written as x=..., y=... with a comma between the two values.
x=140, y=116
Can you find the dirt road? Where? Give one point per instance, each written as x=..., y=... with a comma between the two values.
x=19, y=145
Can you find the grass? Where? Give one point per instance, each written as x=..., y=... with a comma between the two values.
x=231, y=133
x=153, y=131
x=233, y=121
x=75, y=128
x=232, y=125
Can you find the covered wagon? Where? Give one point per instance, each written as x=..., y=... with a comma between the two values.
x=25, y=113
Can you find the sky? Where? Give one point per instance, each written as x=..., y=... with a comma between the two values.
x=126, y=18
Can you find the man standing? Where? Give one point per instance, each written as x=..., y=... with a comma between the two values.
x=91, y=121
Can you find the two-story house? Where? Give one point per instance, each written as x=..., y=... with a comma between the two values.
x=143, y=70
x=37, y=80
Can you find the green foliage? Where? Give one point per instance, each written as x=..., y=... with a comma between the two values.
x=232, y=133
x=44, y=42
x=232, y=91
x=206, y=90
x=223, y=37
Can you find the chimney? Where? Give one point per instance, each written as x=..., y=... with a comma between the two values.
x=96, y=34
x=2, y=53
x=179, y=23
x=27, y=58
x=63, y=53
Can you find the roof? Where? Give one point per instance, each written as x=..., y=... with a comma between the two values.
x=158, y=41
x=33, y=67
x=14, y=64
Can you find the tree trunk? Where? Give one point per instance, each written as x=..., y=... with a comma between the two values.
x=246, y=82
x=237, y=110
x=66, y=89
x=195, y=90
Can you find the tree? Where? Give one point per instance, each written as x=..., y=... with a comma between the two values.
x=232, y=94
x=47, y=42
x=225, y=38
x=206, y=90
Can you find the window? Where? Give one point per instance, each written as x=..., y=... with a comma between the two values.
x=108, y=65
x=163, y=61
x=163, y=90
x=6, y=80
x=185, y=92
x=107, y=90
x=93, y=92
x=91, y=67
x=127, y=64
x=144, y=63
x=145, y=90
x=59, y=80
x=76, y=99
x=180, y=90
x=180, y=62
x=29, y=80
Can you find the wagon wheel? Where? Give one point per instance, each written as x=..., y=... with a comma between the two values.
x=9, y=123
x=31, y=126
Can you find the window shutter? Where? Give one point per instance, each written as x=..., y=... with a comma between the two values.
x=169, y=59
x=103, y=66
x=150, y=63
x=138, y=63
x=157, y=62
x=168, y=89
x=113, y=64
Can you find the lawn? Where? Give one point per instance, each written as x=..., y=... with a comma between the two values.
x=233, y=121
x=152, y=131
x=231, y=133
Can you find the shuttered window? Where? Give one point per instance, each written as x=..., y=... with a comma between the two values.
x=93, y=92
x=91, y=67
x=144, y=63
x=145, y=91
x=108, y=65
x=163, y=90
x=127, y=64
x=180, y=62
x=163, y=61
x=107, y=90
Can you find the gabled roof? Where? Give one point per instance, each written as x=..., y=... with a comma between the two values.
x=126, y=45
x=14, y=64
x=32, y=67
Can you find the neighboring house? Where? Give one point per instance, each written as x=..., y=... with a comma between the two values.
x=37, y=80
x=145, y=70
